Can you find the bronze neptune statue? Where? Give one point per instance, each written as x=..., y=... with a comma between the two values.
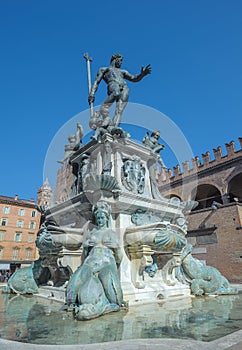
x=117, y=89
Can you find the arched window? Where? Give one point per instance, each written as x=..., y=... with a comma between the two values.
x=4, y=222
x=21, y=212
x=205, y=195
x=18, y=237
x=235, y=189
x=32, y=225
x=6, y=210
x=20, y=224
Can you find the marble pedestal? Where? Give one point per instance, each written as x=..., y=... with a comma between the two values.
x=123, y=174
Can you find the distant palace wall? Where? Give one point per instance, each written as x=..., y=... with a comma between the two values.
x=215, y=225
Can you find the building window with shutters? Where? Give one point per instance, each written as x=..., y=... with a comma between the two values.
x=21, y=212
x=4, y=222
x=6, y=210
x=30, y=237
x=18, y=237
x=28, y=253
x=20, y=224
x=15, y=253
x=2, y=234
x=32, y=225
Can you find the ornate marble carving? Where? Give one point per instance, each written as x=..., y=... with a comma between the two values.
x=133, y=175
x=144, y=241
x=142, y=217
x=168, y=271
x=107, y=163
x=106, y=183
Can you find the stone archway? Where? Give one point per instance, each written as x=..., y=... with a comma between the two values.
x=206, y=194
x=235, y=189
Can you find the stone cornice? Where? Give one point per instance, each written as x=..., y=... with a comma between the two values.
x=18, y=202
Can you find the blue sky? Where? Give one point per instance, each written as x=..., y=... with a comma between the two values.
x=194, y=47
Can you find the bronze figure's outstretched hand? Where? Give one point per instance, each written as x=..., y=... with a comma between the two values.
x=146, y=70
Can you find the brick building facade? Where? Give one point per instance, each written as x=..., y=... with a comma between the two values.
x=215, y=225
x=19, y=224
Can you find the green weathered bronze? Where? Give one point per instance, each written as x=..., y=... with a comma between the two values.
x=151, y=141
x=94, y=289
x=22, y=282
x=203, y=279
x=46, y=268
x=117, y=90
x=169, y=238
